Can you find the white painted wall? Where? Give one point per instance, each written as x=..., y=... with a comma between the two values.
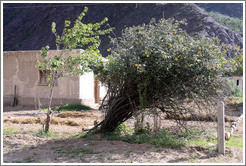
x=235, y=78
x=86, y=88
x=103, y=91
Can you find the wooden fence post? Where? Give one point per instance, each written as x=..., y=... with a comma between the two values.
x=221, y=128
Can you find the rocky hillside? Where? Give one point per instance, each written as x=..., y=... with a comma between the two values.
x=27, y=26
x=232, y=10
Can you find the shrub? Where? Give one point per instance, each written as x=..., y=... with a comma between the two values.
x=160, y=139
x=9, y=131
x=237, y=92
x=43, y=134
x=235, y=141
x=160, y=65
x=123, y=128
x=73, y=107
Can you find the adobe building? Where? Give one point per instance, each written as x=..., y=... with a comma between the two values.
x=19, y=70
x=238, y=81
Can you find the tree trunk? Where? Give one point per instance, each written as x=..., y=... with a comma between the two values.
x=48, y=119
x=120, y=108
x=47, y=123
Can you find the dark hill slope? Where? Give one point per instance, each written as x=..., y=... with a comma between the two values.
x=230, y=9
x=28, y=28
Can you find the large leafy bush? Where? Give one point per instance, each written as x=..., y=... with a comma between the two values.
x=159, y=65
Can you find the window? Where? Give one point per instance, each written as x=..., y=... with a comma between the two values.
x=237, y=82
x=43, y=74
x=42, y=77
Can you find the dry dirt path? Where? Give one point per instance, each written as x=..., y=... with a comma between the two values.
x=41, y=150
x=24, y=147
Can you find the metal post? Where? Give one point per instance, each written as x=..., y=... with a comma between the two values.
x=221, y=128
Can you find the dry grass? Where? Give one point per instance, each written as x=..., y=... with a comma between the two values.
x=74, y=118
x=59, y=119
x=81, y=118
x=22, y=120
x=69, y=122
x=69, y=114
x=200, y=117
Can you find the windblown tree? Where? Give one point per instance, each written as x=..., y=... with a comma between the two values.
x=78, y=35
x=159, y=66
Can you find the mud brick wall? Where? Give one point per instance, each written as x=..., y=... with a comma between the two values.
x=19, y=69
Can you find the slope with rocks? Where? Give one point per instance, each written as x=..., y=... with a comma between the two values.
x=229, y=9
x=28, y=26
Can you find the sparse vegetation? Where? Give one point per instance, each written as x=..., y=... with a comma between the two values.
x=234, y=141
x=232, y=23
x=160, y=139
x=68, y=146
x=200, y=138
x=26, y=160
x=81, y=151
x=73, y=107
x=10, y=131
x=43, y=134
x=235, y=91
x=71, y=152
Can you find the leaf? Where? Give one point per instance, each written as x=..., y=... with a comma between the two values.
x=53, y=27
x=67, y=23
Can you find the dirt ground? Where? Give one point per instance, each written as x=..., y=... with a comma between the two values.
x=21, y=145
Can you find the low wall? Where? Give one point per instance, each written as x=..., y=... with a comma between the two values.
x=30, y=102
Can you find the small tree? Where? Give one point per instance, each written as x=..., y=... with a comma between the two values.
x=86, y=36
x=159, y=66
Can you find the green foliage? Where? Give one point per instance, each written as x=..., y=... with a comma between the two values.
x=234, y=141
x=237, y=63
x=232, y=23
x=142, y=131
x=73, y=107
x=86, y=36
x=199, y=138
x=160, y=139
x=239, y=100
x=123, y=129
x=234, y=90
x=238, y=66
x=43, y=134
x=237, y=92
x=95, y=123
x=44, y=110
x=71, y=152
x=80, y=135
x=81, y=151
x=9, y=131
x=160, y=65
x=78, y=34
x=26, y=160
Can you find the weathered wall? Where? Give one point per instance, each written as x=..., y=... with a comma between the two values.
x=86, y=88
x=239, y=79
x=19, y=70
